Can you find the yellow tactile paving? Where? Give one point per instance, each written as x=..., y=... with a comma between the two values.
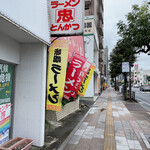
x=109, y=141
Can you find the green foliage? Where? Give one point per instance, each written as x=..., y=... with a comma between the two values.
x=115, y=63
x=137, y=28
x=148, y=78
x=64, y=101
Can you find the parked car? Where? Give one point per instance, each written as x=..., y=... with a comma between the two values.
x=145, y=88
x=136, y=86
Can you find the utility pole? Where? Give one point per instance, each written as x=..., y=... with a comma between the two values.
x=130, y=81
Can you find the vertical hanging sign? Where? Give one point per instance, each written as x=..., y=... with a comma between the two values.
x=57, y=64
x=67, y=16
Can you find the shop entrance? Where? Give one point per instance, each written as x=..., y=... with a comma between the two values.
x=6, y=101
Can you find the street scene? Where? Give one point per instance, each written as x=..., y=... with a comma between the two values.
x=75, y=75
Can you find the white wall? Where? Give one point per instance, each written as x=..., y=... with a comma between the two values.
x=89, y=54
x=95, y=83
x=29, y=109
x=31, y=15
x=90, y=90
x=9, y=50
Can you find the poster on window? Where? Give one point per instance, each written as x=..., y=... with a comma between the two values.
x=86, y=81
x=4, y=122
x=67, y=16
x=72, y=76
x=5, y=83
x=57, y=65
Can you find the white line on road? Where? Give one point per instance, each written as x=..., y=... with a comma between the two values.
x=143, y=102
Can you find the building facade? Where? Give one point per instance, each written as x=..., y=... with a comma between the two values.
x=95, y=8
x=91, y=44
x=23, y=60
x=106, y=64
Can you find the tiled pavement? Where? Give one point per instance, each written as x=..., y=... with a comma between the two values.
x=109, y=125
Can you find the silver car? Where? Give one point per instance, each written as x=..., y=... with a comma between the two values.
x=145, y=88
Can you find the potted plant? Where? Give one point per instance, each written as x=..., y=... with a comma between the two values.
x=17, y=144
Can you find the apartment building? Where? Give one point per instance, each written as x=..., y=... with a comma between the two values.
x=95, y=8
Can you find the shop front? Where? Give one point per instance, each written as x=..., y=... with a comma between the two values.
x=23, y=57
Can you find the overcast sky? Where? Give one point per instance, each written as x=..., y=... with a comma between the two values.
x=113, y=12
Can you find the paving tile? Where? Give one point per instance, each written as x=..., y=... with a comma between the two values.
x=79, y=132
x=98, y=133
x=122, y=147
x=75, y=139
x=134, y=144
x=97, y=144
x=83, y=126
x=83, y=144
x=145, y=140
x=70, y=147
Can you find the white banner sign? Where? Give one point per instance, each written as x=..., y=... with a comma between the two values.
x=125, y=67
x=67, y=16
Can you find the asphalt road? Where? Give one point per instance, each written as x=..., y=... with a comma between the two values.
x=142, y=97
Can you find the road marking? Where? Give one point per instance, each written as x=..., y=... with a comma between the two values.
x=143, y=102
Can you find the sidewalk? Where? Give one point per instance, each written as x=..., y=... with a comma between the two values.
x=111, y=124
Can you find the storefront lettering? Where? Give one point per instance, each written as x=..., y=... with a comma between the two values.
x=64, y=17
x=65, y=27
x=56, y=69
x=71, y=3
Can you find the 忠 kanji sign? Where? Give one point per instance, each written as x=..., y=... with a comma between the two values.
x=66, y=16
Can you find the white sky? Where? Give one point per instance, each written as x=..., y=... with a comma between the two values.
x=113, y=12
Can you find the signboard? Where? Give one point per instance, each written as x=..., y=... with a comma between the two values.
x=86, y=81
x=57, y=65
x=67, y=16
x=125, y=67
x=76, y=44
x=31, y=15
x=5, y=83
x=136, y=66
x=72, y=77
x=4, y=122
x=89, y=26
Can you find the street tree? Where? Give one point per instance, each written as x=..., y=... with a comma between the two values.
x=115, y=64
x=125, y=49
x=148, y=78
x=137, y=28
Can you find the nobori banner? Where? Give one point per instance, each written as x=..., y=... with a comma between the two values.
x=67, y=16
x=76, y=45
x=57, y=65
x=86, y=81
x=75, y=75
